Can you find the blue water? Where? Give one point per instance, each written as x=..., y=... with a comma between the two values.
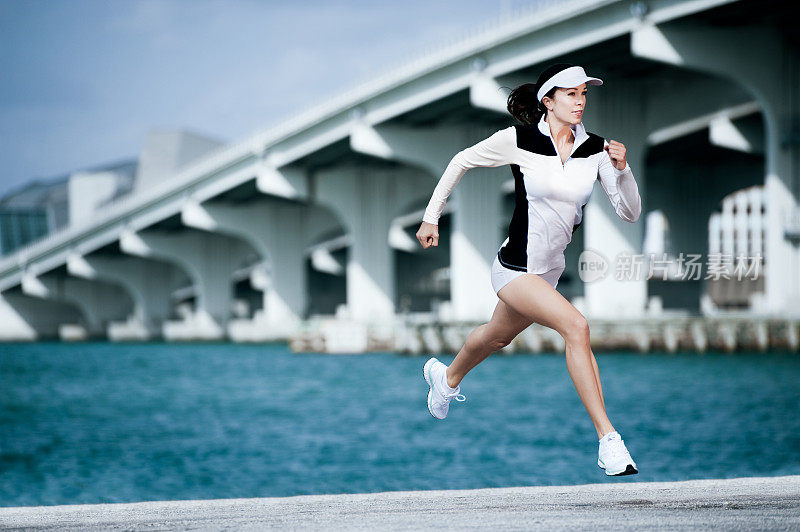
x=96, y=423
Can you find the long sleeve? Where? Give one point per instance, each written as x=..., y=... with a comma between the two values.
x=620, y=187
x=496, y=150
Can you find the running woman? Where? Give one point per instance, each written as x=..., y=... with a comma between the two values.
x=555, y=163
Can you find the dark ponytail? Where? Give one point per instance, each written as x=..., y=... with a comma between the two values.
x=523, y=105
x=522, y=101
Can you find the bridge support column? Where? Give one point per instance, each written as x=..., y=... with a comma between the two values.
x=13, y=323
x=148, y=282
x=765, y=63
x=618, y=112
x=28, y=318
x=209, y=260
x=98, y=302
x=474, y=243
x=277, y=231
x=364, y=199
x=476, y=231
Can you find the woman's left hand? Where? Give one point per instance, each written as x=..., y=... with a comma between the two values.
x=616, y=151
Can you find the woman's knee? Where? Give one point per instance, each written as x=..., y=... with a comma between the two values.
x=576, y=328
x=493, y=338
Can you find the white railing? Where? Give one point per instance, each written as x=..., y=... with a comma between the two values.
x=740, y=228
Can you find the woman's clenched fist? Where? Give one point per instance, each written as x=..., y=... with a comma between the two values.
x=428, y=235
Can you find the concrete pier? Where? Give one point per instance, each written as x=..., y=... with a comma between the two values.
x=728, y=333
x=762, y=503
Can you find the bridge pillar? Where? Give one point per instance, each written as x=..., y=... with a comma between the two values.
x=476, y=200
x=474, y=242
x=617, y=112
x=364, y=199
x=28, y=318
x=148, y=282
x=98, y=302
x=210, y=261
x=768, y=65
x=13, y=323
x=277, y=231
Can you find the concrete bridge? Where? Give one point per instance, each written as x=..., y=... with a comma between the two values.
x=319, y=212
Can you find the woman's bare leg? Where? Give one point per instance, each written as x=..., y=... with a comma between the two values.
x=597, y=378
x=534, y=298
x=484, y=340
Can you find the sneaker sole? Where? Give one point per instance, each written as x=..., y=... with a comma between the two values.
x=629, y=470
x=426, y=373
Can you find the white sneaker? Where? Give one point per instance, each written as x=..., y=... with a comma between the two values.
x=440, y=393
x=614, y=457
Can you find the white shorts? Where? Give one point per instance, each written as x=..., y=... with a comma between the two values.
x=502, y=275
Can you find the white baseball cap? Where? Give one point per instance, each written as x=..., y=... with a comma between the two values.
x=570, y=76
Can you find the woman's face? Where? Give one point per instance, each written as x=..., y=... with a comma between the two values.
x=567, y=104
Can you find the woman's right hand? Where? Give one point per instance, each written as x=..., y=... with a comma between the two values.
x=428, y=235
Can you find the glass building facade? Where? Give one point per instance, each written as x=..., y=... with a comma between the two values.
x=19, y=227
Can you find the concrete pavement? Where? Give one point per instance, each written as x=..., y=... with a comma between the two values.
x=764, y=503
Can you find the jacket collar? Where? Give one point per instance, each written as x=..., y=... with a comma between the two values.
x=577, y=129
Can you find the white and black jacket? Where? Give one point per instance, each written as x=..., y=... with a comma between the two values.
x=549, y=196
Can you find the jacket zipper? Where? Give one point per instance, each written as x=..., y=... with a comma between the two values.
x=564, y=164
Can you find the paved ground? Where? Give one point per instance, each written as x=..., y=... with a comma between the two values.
x=732, y=504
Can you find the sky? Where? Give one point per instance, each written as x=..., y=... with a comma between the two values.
x=82, y=81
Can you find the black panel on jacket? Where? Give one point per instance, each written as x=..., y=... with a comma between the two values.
x=514, y=254
x=590, y=146
x=529, y=138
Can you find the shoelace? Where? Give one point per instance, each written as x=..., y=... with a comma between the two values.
x=455, y=395
x=452, y=395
